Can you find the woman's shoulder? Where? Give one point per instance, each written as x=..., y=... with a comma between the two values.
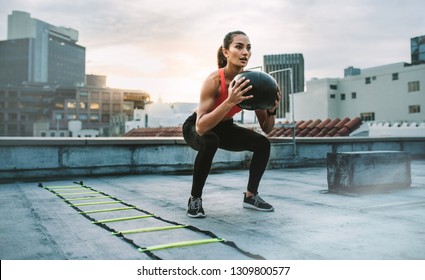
x=212, y=80
x=213, y=76
x=211, y=85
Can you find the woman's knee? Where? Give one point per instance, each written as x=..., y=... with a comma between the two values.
x=210, y=140
x=262, y=143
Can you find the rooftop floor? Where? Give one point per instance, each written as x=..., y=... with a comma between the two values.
x=308, y=223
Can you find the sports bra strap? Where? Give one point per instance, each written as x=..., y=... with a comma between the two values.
x=223, y=82
x=223, y=95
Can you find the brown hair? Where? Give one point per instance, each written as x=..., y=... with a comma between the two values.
x=221, y=59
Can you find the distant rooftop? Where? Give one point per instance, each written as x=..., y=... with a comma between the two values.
x=309, y=128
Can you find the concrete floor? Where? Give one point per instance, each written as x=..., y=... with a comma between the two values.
x=308, y=222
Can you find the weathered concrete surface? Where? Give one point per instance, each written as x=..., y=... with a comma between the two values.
x=309, y=223
x=368, y=171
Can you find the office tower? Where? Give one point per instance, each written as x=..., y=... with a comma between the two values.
x=36, y=51
x=278, y=65
x=417, y=47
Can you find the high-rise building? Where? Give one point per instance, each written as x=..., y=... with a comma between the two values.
x=417, y=47
x=36, y=51
x=278, y=65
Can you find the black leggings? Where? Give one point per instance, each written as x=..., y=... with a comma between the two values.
x=228, y=136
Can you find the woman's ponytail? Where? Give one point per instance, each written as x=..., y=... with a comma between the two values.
x=221, y=59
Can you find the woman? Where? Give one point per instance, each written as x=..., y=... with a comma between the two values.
x=211, y=126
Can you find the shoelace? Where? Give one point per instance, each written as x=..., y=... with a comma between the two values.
x=196, y=203
x=258, y=200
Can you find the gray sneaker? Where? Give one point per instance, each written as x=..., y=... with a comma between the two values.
x=194, y=208
x=257, y=203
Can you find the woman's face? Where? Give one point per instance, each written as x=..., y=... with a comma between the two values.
x=239, y=51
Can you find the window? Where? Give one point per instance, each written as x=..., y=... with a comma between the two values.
x=71, y=116
x=367, y=116
x=71, y=105
x=395, y=76
x=353, y=95
x=335, y=87
x=332, y=96
x=342, y=96
x=94, y=106
x=12, y=105
x=94, y=117
x=413, y=86
x=106, y=107
x=13, y=94
x=13, y=117
x=116, y=107
x=106, y=95
x=105, y=118
x=83, y=105
x=95, y=95
x=83, y=117
x=127, y=106
x=367, y=80
x=117, y=96
x=414, y=109
x=58, y=105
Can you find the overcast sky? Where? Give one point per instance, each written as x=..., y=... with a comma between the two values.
x=168, y=47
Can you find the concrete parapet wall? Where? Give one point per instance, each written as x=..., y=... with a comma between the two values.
x=31, y=158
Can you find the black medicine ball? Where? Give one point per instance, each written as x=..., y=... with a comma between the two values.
x=264, y=90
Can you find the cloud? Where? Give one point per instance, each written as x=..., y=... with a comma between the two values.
x=153, y=44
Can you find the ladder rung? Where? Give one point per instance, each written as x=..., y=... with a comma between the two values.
x=107, y=210
x=141, y=230
x=95, y=203
x=69, y=194
x=60, y=187
x=87, y=198
x=122, y=219
x=181, y=244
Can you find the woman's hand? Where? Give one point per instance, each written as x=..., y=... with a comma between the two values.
x=236, y=91
x=276, y=103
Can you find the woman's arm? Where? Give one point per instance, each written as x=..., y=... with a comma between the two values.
x=267, y=120
x=207, y=116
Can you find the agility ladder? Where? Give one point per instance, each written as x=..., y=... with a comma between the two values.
x=80, y=195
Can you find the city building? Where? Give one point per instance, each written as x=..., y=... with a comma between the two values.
x=38, y=52
x=96, y=106
x=43, y=86
x=393, y=92
x=391, y=96
x=278, y=65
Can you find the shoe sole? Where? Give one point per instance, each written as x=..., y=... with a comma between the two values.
x=250, y=206
x=199, y=215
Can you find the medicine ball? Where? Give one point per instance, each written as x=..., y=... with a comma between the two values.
x=264, y=90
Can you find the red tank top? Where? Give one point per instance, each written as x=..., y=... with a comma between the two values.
x=223, y=95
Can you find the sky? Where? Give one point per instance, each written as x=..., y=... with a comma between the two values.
x=167, y=47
